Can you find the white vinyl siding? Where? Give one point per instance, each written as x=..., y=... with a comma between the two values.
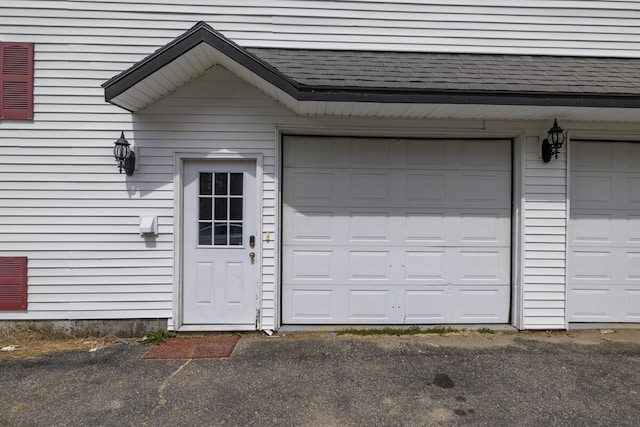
x=544, y=244
x=63, y=204
x=578, y=27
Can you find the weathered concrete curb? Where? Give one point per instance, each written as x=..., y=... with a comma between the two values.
x=83, y=328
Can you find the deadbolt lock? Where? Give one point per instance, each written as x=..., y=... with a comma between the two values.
x=252, y=255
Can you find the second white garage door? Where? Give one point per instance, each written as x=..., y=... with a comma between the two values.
x=388, y=231
x=604, y=232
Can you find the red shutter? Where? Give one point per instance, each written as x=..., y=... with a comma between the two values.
x=13, y=283
x=16, y=81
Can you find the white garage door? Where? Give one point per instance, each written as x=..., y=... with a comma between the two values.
x=388, y=231
x=604, y=232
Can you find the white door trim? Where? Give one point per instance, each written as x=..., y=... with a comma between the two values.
x=517, y=229
x=176, y=323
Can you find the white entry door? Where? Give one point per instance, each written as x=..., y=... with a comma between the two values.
x=220, y=253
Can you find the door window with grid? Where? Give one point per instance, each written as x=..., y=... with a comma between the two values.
x=220, y=204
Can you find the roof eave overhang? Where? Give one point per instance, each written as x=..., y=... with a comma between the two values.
x=127, y=89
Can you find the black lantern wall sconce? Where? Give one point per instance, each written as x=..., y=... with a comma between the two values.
x=551, y=146
x=124, y=156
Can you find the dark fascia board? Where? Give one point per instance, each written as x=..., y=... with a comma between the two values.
x=468, y=97
x=202, y=32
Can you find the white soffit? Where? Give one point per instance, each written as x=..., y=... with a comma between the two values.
x=179, y=72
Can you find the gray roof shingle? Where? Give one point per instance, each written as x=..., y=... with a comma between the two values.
x=464, y=72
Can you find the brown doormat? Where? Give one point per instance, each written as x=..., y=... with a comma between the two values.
x=194, y=348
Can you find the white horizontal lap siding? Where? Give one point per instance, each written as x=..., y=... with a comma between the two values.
x=62, y=202
x=86, y=258
x=576, y=27
x=64, y=205
x=544, y=239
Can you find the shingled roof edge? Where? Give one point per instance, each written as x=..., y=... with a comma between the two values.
x=202, y=32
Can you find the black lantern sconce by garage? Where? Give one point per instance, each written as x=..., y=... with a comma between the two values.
x=124, y=156
x=551, y=146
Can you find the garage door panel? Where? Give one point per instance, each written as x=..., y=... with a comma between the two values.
x=632, y=299
x=426, y=155
x=312, y=265
x=369, y=265
x=456, y=189
x=631, y=230
x=371, y=153
x=321, y=304
x=596, y=303
x=479, y=266
x=308, y=226
x=633, y=190
x=614, y=265
x=412, y=231
x=425, y=267
x=311, y=188
x=481, y=305
x=591, y=265
x=425, y=305
x=482, y=189
x=311, y=152
x=339, y=265
x=310, y=304
x=613, y=191
x=631, y=268
x=593, y=191
x=426, y=188
x=605, y=156
x=486, y=228
x=592, y=156
x=591, y=304
x=396, y=304
x=404, y=266
x=397, y=226
x=426, y=227
x=632, y=157
x=369, y=187
x=370, y=226
x=589, y=227
x=604, y=233
x=484, y=154
x=370, y=305
x=604, y=229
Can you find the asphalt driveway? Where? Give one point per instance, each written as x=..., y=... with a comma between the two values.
x=525, y=379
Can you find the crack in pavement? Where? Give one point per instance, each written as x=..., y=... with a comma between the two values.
x=161, y=399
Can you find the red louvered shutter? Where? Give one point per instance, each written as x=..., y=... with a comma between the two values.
x=13, y=283
x=16, y=81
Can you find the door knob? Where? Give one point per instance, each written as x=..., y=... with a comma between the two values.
x=252, y=255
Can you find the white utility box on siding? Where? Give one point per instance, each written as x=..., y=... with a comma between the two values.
x=149, y=225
